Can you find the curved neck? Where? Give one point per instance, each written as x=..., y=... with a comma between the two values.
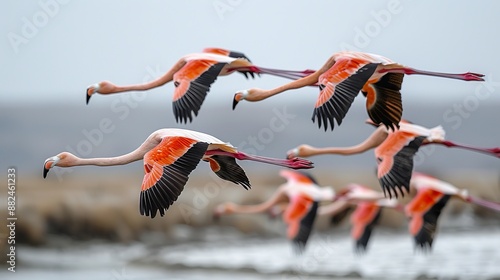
x=135, y=155
x=167, y=77
x=250, y=209
x=119, y=160
x=302, y=82
x=338, y=151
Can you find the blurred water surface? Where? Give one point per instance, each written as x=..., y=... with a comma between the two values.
x=458, y=253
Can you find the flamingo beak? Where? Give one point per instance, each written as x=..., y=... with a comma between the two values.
x=89, y=93
x=236, y=99
x=238, y=96
x=48, y=164
x=91, y=90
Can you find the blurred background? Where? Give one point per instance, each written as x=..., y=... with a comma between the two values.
x=85, y=222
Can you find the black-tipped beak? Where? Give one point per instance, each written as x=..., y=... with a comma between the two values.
x=235, y=101
x=49, y=163
x=88, y=96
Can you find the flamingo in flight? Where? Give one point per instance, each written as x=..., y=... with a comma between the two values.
x=193, y=75
x=169, y=156
x=368, y=205
x=302, y=195
x=425, y=208
x=394, y=151
x=395, y=154
x=342, y=77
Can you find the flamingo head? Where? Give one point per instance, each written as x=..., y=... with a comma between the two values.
x=63, y=159
x=103, y=87
x=240, y=95
x=253, y=94
x=223, y=209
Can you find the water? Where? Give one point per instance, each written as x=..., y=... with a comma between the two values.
x=463, y=254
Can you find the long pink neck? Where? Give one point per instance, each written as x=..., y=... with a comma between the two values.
x=119, y=160
x=340, y=151
x=250, y=209
x=167, y=77
x=146, y=86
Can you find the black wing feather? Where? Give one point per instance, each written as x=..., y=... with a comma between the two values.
x=400, y=174
x=388, y=107
x=344, y=93
x=229, y=170
x=425, y=237
x=165, y=192
x=306, y=226
x=191, y=101
x=362, y=242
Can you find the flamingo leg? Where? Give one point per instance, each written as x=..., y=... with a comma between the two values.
x=290, y=74
x=485, y=203
x=490, y=151
x=294, y=163
x=469, y=76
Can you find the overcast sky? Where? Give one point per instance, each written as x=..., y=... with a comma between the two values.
x=52, y=50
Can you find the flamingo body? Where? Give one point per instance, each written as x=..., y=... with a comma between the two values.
x=425, y=208
x=170, y=155
x=368, y=205
x=193, y=76
x=300, y=214
x=395, y=155
x=347, y=73
x=363, y=220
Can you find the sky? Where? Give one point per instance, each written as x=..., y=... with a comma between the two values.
x=51, y=50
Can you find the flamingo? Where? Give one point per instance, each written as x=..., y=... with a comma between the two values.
x=342, y=77
x=193, y=75
x=425, y=208
x=302, y=194
x=394, y=151
x=169, y=155
x=368, y=205
x=395, y=154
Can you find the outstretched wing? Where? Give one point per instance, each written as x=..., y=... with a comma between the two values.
x=383, y=100
x=167, y=167
x=227, y=169
x=192, y=83
x=424, y=211
x=363, y=220
x=395, y=161
x=338, y=88
x=300, y=216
